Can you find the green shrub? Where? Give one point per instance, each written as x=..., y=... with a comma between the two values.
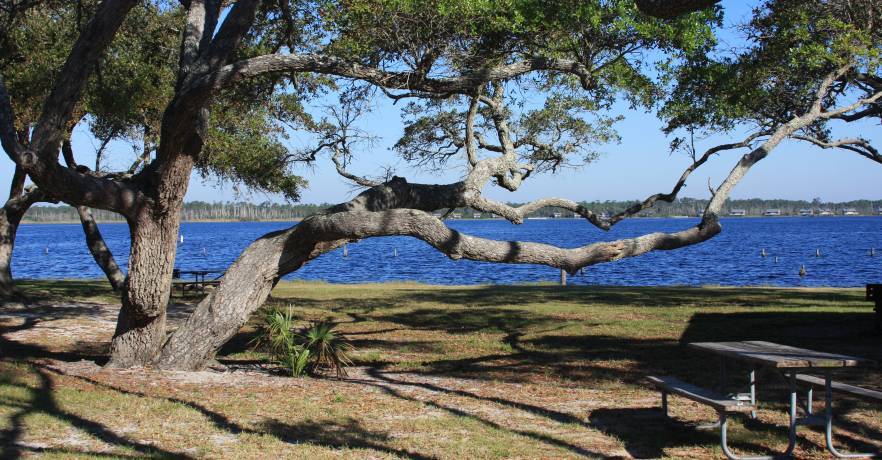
x=317, y=346
x=330, y=348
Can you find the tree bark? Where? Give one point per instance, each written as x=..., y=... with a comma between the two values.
x=245, y=288
x=8, y=228
x=100, y=252
x=140, y=329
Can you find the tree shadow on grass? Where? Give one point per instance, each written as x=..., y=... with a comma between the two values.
x=349, y=434
x=41, y=400
x=646, y=433
x=65, y=290
x=649, y=296
x=88, y=350
x=387, y=385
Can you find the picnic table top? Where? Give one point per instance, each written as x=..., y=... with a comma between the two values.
x=779, y=356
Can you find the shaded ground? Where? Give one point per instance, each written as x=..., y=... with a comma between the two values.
x=442, y=372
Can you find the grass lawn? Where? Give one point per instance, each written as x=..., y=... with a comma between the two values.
x=441, y=372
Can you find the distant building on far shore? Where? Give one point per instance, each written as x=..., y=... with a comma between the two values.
x=850, y=212
x=825, y=212
x=806, y=212
x=772, y=212
x=737, y=212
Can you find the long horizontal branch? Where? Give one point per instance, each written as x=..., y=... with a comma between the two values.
x=414, y=81
x=458, y=245
x=18, y=205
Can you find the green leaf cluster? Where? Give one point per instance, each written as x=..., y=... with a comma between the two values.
x=790, y=47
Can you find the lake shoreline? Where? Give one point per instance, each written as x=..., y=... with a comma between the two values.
x=299, y=219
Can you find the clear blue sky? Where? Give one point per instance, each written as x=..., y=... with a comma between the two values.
x=637, y=167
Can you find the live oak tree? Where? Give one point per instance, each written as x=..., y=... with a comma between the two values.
x=124, y=101
x=812, y=78
x=459, y=60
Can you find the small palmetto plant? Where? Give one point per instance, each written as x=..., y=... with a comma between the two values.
x=278, y=338
x=314, y=347
x=329, y=348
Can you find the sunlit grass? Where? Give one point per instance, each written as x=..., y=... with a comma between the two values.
x=447, y=372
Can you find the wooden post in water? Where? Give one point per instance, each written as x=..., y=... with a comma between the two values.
x=345, y=250
x=563, y=277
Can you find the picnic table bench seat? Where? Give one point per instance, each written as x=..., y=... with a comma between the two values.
x=856, y=391
x=722, y=404
x=700, y=395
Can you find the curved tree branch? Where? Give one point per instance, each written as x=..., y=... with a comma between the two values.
x=341, y=170
x=860, y=146
x=413, y=81
x=40, y=158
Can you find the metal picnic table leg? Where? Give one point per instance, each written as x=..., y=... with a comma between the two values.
x=724, y=443
x=791, y=377
x=828, y=424
x=753, y=392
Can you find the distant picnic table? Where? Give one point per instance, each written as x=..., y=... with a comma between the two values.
x=791, y=361
x=199, y=280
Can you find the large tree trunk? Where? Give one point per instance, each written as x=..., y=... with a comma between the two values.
x=8, y=228
x=245, y=287
x=100, y=252
x=140, y=328
x=10, y=216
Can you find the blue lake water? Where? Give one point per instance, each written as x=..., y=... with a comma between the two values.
x=731, y=258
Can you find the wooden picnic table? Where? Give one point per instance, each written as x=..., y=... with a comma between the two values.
x=779, y=356
x=199, y=281
x=790, y=360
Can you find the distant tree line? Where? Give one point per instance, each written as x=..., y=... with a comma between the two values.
x=243, y=211
x=751, y=207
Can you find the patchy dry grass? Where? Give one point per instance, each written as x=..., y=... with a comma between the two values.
x=442, y=372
